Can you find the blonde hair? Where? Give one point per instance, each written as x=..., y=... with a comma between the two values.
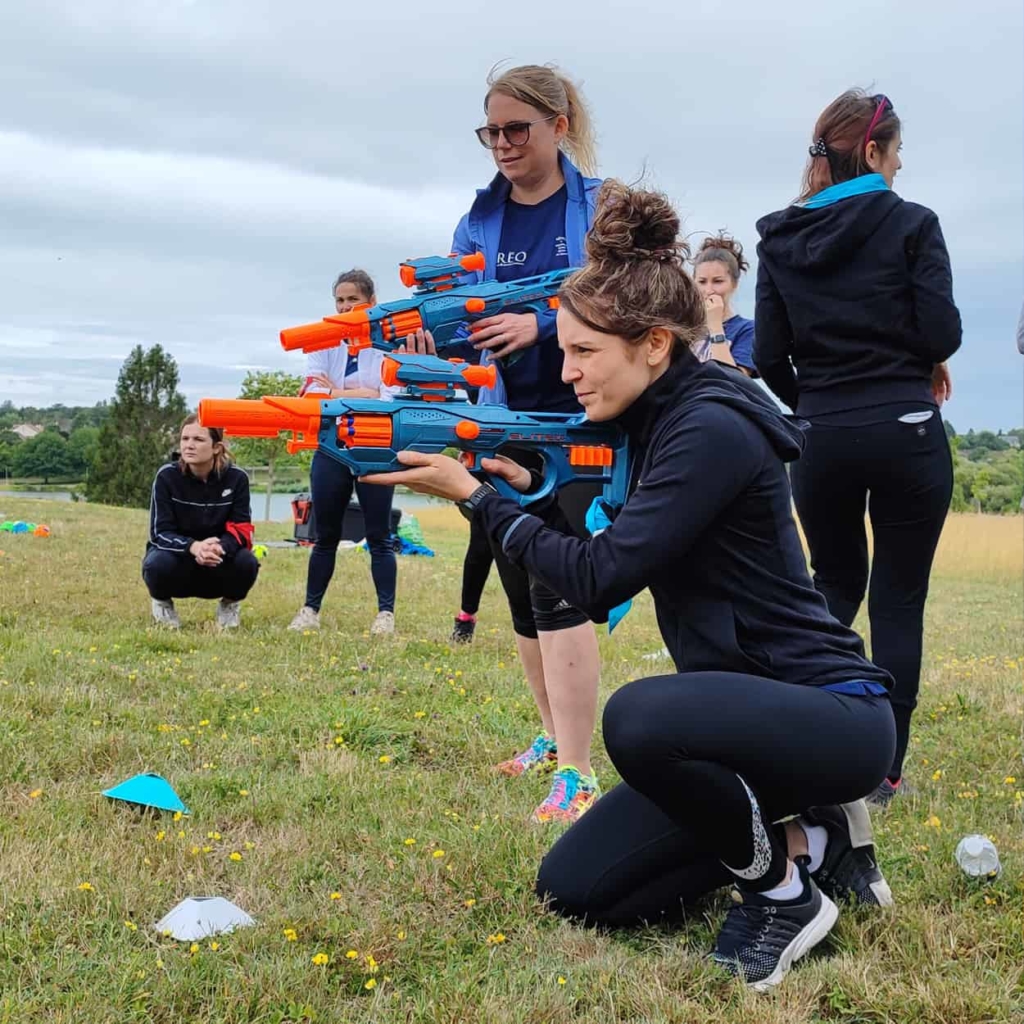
x=221, y=460
x=635, y=276
x=548, y=90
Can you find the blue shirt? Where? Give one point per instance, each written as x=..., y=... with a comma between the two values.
x=740, y=333
x=533, y=242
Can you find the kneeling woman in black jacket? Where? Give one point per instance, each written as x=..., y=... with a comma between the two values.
x=200, y=529
x=774, y=710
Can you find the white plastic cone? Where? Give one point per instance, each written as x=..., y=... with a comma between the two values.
x=201, y=916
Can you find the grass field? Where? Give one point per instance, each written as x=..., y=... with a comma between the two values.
x=340, y=792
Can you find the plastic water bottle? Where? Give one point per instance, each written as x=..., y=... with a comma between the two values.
x=978, y=857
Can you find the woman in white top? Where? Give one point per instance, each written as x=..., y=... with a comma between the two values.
x=336, y=374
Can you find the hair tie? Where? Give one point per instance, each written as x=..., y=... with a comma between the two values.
x=818, y=149
x=662, y=254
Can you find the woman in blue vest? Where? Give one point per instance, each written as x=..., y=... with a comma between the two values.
x=333, y=373
x=533, y=218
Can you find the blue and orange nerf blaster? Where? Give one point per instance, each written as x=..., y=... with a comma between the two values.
x=438, y=304
x=430, y=414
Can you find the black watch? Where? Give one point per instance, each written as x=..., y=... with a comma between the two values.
x=472, y=503
x=718, y=339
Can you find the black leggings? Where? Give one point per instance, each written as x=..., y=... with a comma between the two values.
x=533, y=605
x=476, y=567
x=332, y=485
x=903, y=474
x=709, y=760
x=170, y=574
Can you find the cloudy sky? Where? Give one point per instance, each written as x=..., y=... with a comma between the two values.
x=195, y=172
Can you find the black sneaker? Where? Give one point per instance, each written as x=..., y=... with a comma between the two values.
x=761, y=939
x=884, y=792
x=849, y=870
x=463, y=631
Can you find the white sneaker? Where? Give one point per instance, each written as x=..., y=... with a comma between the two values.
x=229, y=614
x=165, y=615
x=305, y=618
x=384, y=624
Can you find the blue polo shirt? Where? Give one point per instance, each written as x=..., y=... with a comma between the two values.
x=533, y=242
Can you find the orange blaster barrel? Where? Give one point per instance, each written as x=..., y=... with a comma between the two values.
x=264, y=417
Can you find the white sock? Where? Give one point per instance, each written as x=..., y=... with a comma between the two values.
x=817, y=841
x=791, y=890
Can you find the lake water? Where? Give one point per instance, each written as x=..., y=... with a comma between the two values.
x=280, y=504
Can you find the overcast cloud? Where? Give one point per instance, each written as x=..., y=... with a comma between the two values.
x=195, y=172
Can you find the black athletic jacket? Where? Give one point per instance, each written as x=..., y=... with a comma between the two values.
x=708, y=528
x=184, y=508
x=854, y=303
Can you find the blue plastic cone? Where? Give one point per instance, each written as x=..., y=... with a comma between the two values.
x=148, y=790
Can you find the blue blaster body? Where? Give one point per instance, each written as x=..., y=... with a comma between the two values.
x=431, y=414
x=439, y=304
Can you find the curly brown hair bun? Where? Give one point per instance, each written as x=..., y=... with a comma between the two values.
x=635, y=277
x=722, y=248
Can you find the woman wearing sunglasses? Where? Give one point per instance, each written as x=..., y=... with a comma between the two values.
x=773, y=709
x=532, y=218
x=855, y=319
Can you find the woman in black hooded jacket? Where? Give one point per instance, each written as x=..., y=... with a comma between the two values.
x=774, y=710
x=855, y=319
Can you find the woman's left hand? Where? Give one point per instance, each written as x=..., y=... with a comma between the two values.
x=505, y=333
x=429, y=474
x=942, y=384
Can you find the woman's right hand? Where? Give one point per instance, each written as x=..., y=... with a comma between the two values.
x=207, y=552
x=421, y=344
x=511, y=472
x=942, y=384
x=714, y=313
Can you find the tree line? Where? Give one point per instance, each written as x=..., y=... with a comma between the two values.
x=114, y=448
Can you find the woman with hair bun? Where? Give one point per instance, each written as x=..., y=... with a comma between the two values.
x=716, y=271
x=773, y=710
x=855, y=319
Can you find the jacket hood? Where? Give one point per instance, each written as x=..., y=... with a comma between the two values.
x=806, y=238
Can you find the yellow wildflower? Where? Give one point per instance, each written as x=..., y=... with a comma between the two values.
x=352, y=955
x=470, y=903
x=215, y=946
x=234, y=855
x=321, y=959
x=35, y=794
x=85, y=887
x=495, y=940
x=384, y=759
x=561, y=980
x=437, y=854
x=290, y=934
x=410, y=841
x=194, y=948
x=131, y=926
x=335, y=895
x=371, y=984
x=934, y=821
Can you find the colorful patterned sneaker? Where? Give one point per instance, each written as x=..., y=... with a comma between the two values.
x=540, y=757
x=762, y=938
x=572, y=794
x=462, y=633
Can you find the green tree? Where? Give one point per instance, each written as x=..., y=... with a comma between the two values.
x=140, y=431
x=266, y=451
x=44, y=455
x=83, y=446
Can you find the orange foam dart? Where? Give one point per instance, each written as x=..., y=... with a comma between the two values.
x=400, y=325
x=467, y=430
x=590, y=455
x=474, y=261
x=481, y=376
x=364, y=430
x=475, y=305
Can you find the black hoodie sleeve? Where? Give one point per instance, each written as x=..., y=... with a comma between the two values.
x=773, y=339
x=163, y=524
x=700, y=464
x=238, y=531
x=935, y=314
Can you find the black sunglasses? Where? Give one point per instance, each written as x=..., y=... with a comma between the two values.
x=517, y=133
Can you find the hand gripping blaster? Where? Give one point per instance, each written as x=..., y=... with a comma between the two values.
x=431, y=414
x=439, y=304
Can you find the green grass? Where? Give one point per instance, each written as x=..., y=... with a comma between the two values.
x=277, y=743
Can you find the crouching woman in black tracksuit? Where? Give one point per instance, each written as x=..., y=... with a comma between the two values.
x=200, y=529
x=774, y=711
